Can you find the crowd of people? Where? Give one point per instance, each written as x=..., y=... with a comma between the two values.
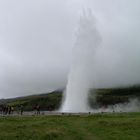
x=8, y=110
x=5, y=109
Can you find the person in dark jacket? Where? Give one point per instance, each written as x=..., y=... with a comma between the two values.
x=38, y=109
x=21, y=109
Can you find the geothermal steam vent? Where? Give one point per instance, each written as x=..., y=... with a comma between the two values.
x=88, y=39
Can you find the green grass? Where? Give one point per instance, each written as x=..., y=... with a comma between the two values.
x=124, y=126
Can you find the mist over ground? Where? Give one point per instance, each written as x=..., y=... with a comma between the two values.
x=37, y=38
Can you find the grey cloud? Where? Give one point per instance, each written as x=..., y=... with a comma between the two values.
x=37, y=37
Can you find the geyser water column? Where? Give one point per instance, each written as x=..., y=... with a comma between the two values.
x=79, y=79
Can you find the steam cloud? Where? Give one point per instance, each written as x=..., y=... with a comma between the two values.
x=36, y=39
x=132, y=106
x=79, y=80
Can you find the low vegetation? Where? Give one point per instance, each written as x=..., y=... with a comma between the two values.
x=124, y=126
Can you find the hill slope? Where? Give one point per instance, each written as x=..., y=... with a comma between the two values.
x=52, y=101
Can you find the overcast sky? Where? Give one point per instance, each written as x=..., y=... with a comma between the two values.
x=37, y=37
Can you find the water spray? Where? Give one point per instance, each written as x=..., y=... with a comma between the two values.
x=79, y=79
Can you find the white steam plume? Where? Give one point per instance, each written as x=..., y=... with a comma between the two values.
x=132, y=106
x=79, y=80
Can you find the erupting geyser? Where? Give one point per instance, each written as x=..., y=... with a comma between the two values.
x=88, y=39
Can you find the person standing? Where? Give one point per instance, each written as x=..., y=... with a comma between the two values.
x=38, y=109
x=21, y=109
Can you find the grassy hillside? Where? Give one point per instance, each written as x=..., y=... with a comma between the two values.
x=96, y=127
x=49, y=101
x=52, y=101
x=113, y=96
